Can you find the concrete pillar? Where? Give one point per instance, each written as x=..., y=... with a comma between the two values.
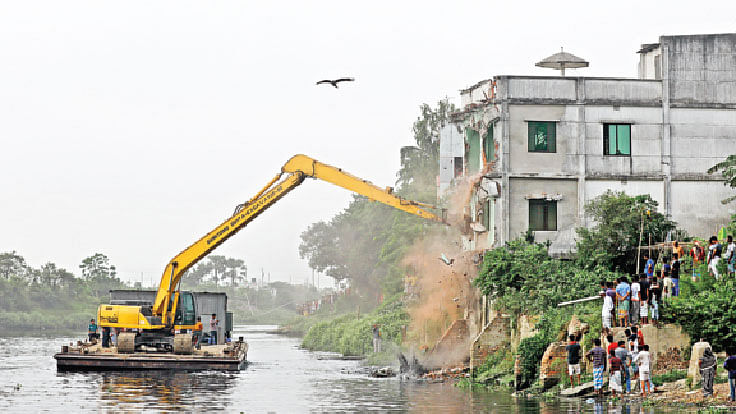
x=666, y=144
x=505, y=160
x=697, y=352
x=580, y=122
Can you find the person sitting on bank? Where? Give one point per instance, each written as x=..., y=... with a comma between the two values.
x=92, y=330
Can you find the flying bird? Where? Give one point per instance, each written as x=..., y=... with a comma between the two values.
x=334, y=82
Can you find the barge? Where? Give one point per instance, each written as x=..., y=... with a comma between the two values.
x=232, y=356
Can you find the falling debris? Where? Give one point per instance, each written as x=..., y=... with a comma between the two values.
x=334, y=82
x=447, y=261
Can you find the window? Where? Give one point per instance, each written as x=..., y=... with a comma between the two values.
x=488, y=145
x=617, y=139
x=542, y=215
x=542, y=136
x=458, y=165
x=473, y=150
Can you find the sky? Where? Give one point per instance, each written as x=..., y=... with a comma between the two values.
x=133, y=128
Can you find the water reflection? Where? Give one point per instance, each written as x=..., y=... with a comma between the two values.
x=164, y=390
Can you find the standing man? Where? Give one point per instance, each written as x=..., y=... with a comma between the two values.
x=635, y=300
x=731, y=255
x=197, y=337
x=623, y=355
x=730, y=365
x=698, y=256
x=91, y=330
x=648, y=266
x=675, y=275
x=707, y=364
x=611, y=292
x=644, y=296
x=655, y=296
x=598, y=356
x=573, y=359
x=606, y=313
x=714, y=256
x=623, y=291
x=643, y=360
x=614, y=384
x=213, y=329
x=376, y=338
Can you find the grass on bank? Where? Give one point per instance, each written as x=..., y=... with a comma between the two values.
x=351, y=334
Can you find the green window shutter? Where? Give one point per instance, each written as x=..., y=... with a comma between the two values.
x=611, y=139
x=488, y=146
x=473, y=160
x=623, y=137
x=551, y=137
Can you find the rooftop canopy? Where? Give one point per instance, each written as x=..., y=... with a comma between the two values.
x=562, y=61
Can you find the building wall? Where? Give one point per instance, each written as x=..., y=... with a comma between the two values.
x=697, y=208
x=646, y=141
x=451, y=146
x=701, y=137
x=522, y=161
x=701, y=68
x=523, y=189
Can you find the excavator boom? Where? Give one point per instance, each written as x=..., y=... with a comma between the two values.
x=296, y=169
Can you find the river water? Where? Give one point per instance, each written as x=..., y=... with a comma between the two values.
x=280, y=377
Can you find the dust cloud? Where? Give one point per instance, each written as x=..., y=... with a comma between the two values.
x=443, y=293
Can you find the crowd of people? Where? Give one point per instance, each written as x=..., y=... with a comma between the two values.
x=633, y=302
x=628, y=302
x=627, y=361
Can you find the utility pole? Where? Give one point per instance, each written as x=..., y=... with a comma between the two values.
x=261, y=276
x=641, y=234
x=269, y=278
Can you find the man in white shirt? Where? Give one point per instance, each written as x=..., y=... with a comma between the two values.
x=213, y=329
x=635, y=301
x=642, y=358
x=606, y=313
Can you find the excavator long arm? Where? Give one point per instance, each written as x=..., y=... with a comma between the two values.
x=296, y=169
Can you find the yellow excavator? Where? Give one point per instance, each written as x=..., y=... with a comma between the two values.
x=153, y=327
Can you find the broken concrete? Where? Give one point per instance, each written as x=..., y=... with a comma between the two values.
x=495, y=336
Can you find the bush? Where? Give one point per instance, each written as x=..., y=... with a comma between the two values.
x=704, y=310
x=353, y=335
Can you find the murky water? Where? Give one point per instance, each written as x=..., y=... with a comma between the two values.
x=280, y=378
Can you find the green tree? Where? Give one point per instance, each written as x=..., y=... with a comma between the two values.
x=100, y=274
x=522, y=277
x=417, y=177
x=12, y=265
x=727, y=168
x=611, y=243
x=218, y=267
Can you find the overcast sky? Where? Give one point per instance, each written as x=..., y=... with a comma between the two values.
x=133, y=128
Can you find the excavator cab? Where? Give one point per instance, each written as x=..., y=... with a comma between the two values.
x=185, y=313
